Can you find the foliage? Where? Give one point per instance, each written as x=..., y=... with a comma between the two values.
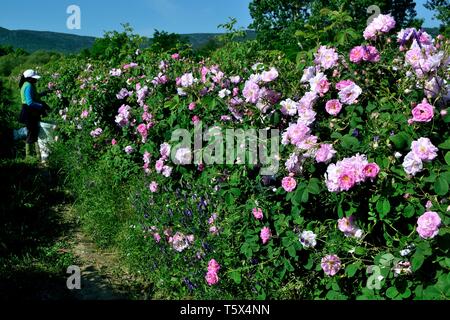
x=114, y=45
x=442, y=12
x=163, y=41
x=33, y=243
x=276, y=22
x=170, y=223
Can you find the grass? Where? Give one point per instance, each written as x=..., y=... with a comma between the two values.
x=33, y=250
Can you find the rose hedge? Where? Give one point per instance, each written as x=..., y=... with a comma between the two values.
x=358, y=209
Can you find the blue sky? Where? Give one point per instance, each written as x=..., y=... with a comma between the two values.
x=180, y=16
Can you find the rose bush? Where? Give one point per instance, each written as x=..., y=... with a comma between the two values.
x=358, y=209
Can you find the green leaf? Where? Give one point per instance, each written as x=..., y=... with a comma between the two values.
x=229, y=199
x=236, y=276
x=349, y=142
x=417, y=261
x=383, y=207
x=401, y=140
x=305, y=196
x=235, y=191
x=447, y=158
x=351, y=269
x=392, y=292
x=406, y=294
x=336, y=135
x=314, y=186
x=409, y=211
x=446, y=118
x=441, y=186
x=292, y=252
x=424, y=248
x=288, y=265
x=309, y=264
x=445, y=145
x=297, y=198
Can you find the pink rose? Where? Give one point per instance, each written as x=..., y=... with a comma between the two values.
x=159, y=165
x=265, y=235
x=333, y=107
x=423, y=112
x=428, y=225
x=357, y=54
x=195, y=120
x=371, y=54
x=289, y=184
x=213, y=266
x=346, y=224
x=331, y=264
x=153, y=187
x=371, y=170
x=211, y=278
x=257, y=213
x=346, y=180
x=325, y=153
x=343, y=83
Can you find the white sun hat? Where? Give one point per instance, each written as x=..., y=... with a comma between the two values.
x=31, y=74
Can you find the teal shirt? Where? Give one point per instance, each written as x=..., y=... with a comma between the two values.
x=28, y=95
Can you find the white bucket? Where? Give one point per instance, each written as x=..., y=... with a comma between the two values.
x=46, y=136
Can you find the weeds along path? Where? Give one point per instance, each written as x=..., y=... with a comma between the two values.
x=41, y=237
x=102, y=276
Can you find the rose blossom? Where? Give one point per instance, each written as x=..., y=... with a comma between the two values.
x=213, y=266
x=289, y=184
x=344, y=83
x=333, y=107
x=325, y=153
x=212, y=278
x=289, y=107
x=331, y=264
x=346, y=180
x=195, y=120
x=164, y=150
x=412, y=164
x=153, y=186
x=268, y=76
x=424, y=149
x=357, y=54
x=371, y=170
x=257, y=213
x=423, y=112
x=129, y=149
x=327, y=58
x=347, y=226
x=265, y=235
x=428, y=225
x=308, y=239
x=349, y=94
x=159, y=165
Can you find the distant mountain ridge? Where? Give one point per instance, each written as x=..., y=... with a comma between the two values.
x=44, y=40
x=69, y=43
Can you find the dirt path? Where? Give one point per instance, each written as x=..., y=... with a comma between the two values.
x=102, y=278
x=41, y=236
